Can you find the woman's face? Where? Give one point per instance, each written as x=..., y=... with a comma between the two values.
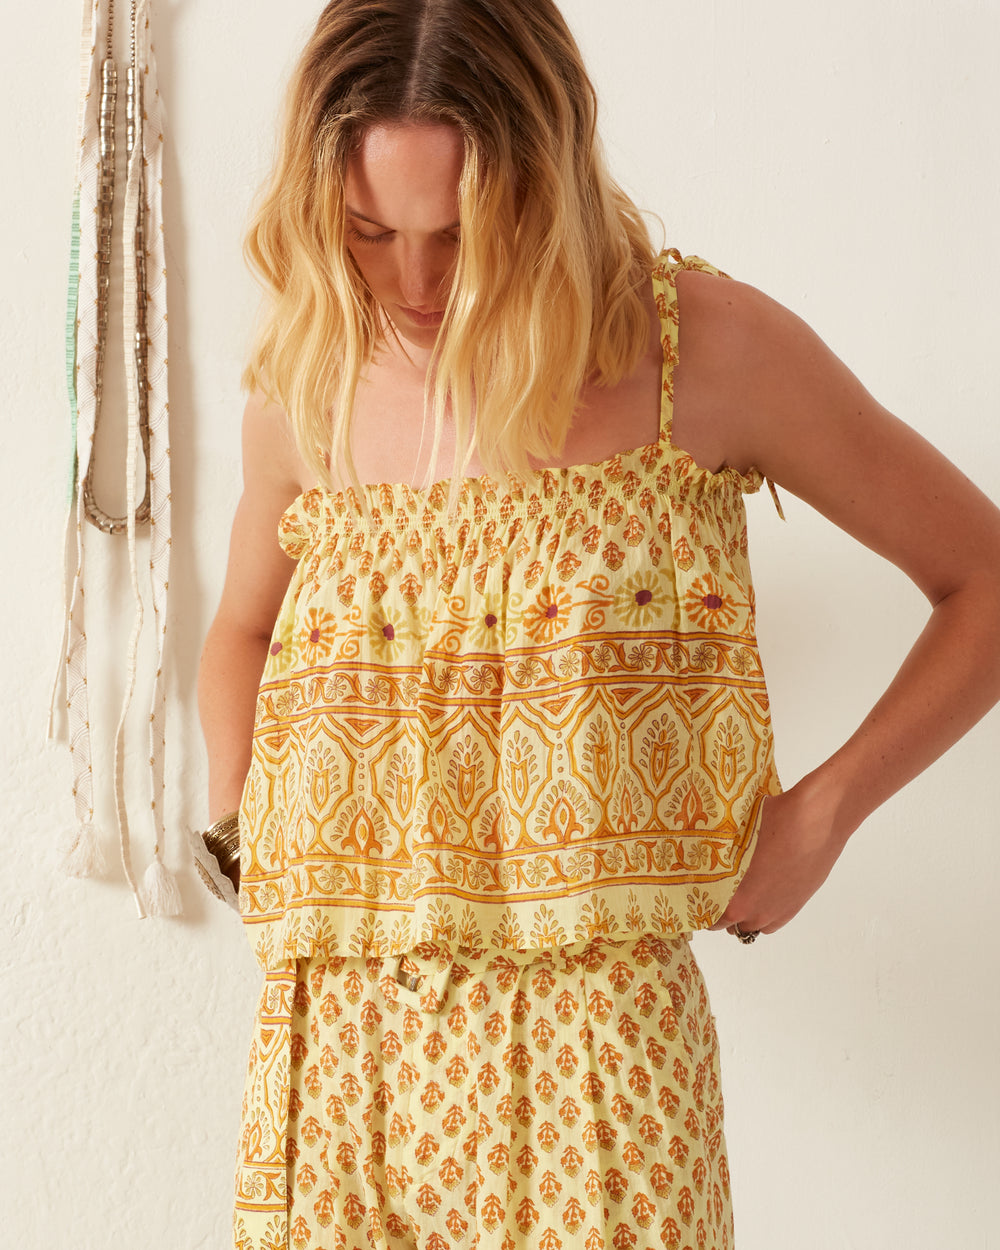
x=401, y=193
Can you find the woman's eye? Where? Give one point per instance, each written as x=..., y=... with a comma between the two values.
x=360, y=237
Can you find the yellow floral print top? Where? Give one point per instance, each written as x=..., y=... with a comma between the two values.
x=534, y=719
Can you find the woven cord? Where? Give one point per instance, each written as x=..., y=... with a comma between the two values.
x=160, y=891
x=130, y=219
x=82, y=849
x=159, y=409
x=72, y=299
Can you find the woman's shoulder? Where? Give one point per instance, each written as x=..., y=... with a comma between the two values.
x=738, y=352
x=735, y=320
x=270, y=453
x=716, y=309
x=717, y=322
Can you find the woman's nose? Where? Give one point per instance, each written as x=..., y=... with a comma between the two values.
x=421, y=280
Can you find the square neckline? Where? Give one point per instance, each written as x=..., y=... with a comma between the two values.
x=663, y=278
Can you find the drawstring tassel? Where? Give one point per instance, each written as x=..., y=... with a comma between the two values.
x=160, y=892
x=82, y=855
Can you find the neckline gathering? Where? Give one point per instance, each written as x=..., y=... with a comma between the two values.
x=510, y=485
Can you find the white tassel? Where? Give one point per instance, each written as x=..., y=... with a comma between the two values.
x=83, y=856
x=159, y=891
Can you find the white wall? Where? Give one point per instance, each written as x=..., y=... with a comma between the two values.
x=844, y=158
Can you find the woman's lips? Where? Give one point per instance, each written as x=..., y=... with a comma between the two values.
x=426, y=321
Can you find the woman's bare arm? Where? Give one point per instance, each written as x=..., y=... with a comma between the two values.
x=782, y=401
x=256, y=579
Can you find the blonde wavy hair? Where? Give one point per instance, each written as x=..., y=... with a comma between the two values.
x=553, y=256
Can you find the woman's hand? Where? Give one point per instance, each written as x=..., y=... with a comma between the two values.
x=797, y=845
x=757, y=387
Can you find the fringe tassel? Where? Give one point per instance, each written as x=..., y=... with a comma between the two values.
x=160, y=892
x=83, y=855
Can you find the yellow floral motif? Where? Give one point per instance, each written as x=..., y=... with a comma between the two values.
x=642, y=598
x=486, y=627
x=387, y=632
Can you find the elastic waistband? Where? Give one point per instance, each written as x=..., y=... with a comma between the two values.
x=425, y=975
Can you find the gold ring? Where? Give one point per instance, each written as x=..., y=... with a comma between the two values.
x=746, y=937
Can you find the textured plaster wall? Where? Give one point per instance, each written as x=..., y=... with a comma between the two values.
x=843, y=157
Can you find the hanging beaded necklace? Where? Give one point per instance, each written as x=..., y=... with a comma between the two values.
x=144, y=316
x=106, y=197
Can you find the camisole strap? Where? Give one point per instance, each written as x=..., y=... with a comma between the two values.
x=669, y=264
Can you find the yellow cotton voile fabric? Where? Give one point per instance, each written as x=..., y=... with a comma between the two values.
x=566, y=1099
x=527, y=719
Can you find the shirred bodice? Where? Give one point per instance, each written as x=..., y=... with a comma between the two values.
x=527, y=716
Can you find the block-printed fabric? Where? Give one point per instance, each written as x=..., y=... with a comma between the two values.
x=526, y=719
x=522, y=734
x=566, y=1099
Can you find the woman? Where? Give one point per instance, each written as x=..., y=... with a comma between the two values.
x=511, y=743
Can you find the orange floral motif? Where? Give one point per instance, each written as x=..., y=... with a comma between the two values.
x=527, y=1216
x=410, y=588
x=613, y=556
x=683, y=555
x=573, y=1215
x=567, y=565
x=624, y=1238
x=548, y=615
x=558, y=818
x=708, y=604
x=316, y=636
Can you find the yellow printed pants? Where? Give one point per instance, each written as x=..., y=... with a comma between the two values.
x=566, y=1099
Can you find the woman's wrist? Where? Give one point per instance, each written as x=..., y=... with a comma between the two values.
x=225, y=797
x=830, y=803
x=222, y=840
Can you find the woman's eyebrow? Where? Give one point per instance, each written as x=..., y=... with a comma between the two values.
x=353, y=212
